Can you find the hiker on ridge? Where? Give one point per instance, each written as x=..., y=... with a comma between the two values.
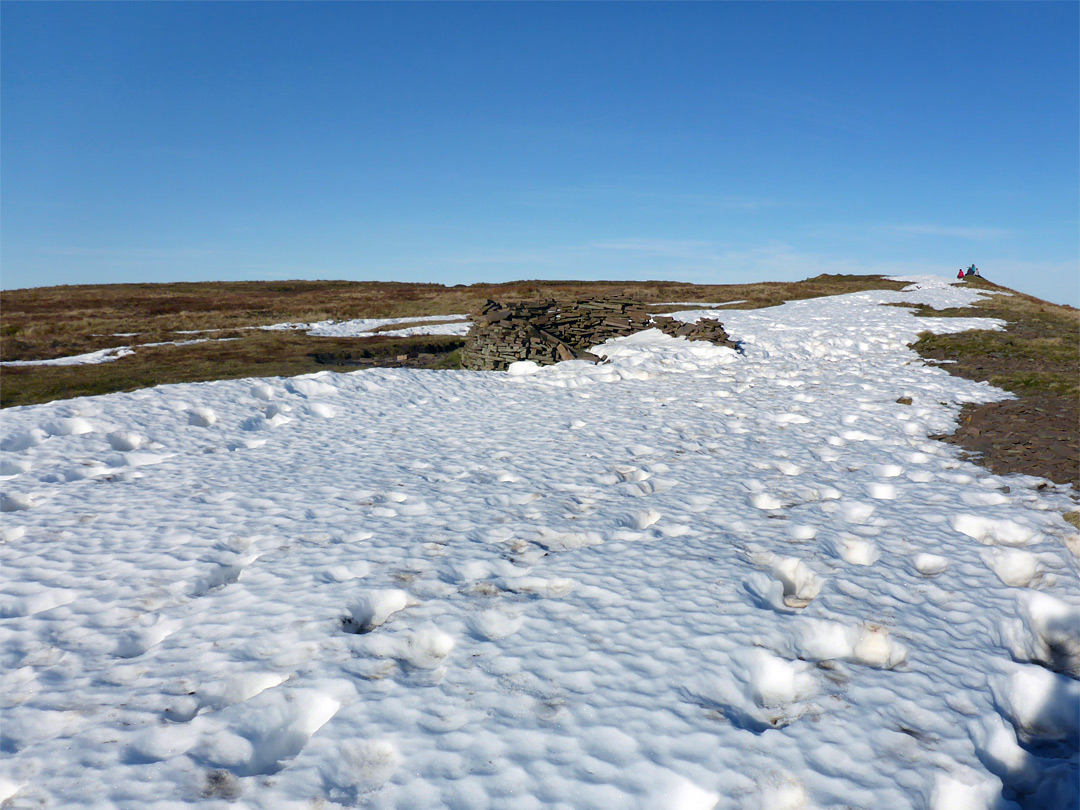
x=960, y=273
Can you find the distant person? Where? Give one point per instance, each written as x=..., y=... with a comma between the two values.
x=960, y=273
x=976, y=272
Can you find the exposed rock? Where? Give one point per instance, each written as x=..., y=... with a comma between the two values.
x=705, y=329
x=547, y=331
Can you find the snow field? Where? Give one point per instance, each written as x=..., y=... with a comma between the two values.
x=106, y=355
x=365, y=327
x=684, y=579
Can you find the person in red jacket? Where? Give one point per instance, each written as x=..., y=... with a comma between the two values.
x=960, y=273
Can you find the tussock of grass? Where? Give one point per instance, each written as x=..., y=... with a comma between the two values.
x=449, y=361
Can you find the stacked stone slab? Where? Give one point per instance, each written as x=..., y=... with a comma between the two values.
x=547, y=331
x=705, y=329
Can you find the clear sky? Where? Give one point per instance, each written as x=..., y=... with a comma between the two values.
x=464, y=142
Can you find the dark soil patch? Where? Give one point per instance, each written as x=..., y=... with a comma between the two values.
x=421, y=352
x=1034, y=435
x=1037, y=358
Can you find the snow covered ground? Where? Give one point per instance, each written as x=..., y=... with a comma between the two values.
x=106, y=355
x=685, y=579
x=88, y=359
x=366, y=327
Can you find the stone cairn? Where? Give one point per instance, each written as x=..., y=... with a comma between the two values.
x=547, y=331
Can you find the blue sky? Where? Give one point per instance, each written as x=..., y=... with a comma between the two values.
x=464, y=142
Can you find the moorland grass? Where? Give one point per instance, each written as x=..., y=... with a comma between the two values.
x=1039, y=350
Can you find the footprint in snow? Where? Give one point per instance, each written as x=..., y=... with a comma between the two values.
x=262, y=391
x=790, y=419
x=267, y=731
x=9, y=534
x=260, y=422
x=372, y=610
x=553, y=540
x=16, y=502
x=765, y=501
x=493, y=625
x=11, y=466
x=822, y=640
x=277, y=409
x=930, y=565
x=220, y=693
x=1013, y=566
x=789, y=585
x=359, y=767
x=31, y=598
x=758, y=691
x=1045, y=631
x=855, y=550
x=73, y=426
x=125, y=440
x=24, y=441
x=857, y=512
x=392, y=504
x=217, y=694
x=882, y=491
x=309, y=387
x=322, y=410
x=390, y=497
x=147, y=634
x=223, y=572
x=642, y=519
x=422, y=653
x=1036, y=781
x=994, y=531
x=975, y=498
x=1042, y=706
x=202, y=417
x=886, y=470
x=344, y=573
